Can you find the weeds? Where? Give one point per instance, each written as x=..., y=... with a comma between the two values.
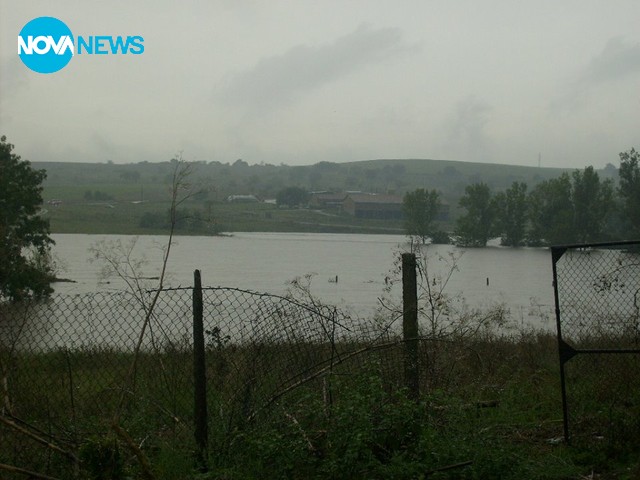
x=296, y=390
x=494, y=414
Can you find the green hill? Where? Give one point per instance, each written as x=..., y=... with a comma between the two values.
x=92, y=196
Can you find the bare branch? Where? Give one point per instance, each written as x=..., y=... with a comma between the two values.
x=28, y=473
x=147, y=471
x=11, y=424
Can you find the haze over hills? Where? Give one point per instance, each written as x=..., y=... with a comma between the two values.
x=265, y=180
x=115, y=198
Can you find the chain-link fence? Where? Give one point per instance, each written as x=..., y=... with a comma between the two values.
x=71, y=366
x=82, y=375
x=67, y=372
x=597, y=306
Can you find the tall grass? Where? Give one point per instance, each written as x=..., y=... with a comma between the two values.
x=490, y=408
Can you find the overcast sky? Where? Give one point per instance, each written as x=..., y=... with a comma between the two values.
x=298, y=82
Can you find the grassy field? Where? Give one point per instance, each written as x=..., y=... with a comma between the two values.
x=75, y=215
x=490, y=408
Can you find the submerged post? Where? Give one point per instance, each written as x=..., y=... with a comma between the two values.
x=410, y=324
x=199, y=374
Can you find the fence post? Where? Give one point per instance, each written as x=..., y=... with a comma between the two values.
x=410, y=324
x=199, y=374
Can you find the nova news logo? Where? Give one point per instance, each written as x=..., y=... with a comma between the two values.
x=46, y=45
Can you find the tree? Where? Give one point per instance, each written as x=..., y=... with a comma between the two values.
x=592, y=201
x=570, y=209
x=511, y=214
x=421, y=208
x=292, y=196
x=118, y=260
x=551, y=212
x=239, y=163
x=25, y=242
x=629, y=191
x=476, y=227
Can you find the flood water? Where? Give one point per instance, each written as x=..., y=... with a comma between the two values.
x=362, y=265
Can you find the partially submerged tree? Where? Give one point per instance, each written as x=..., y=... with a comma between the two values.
x=570, y=209
x=24, y=235
x=511, y=214
x=476, y=226
x=420, y=208
x=551, y=212
x=592, y=201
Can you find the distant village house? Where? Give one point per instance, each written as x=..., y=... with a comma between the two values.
x=326, y=200
x=368, y=205
x=374, y=206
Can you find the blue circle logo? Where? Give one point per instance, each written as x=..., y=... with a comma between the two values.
x=45, y=45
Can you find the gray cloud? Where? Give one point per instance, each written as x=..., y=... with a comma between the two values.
x=226, y=84
x=466, y=135
x=106, y=148
x=13, y=78
x=279, y=79
x=618, y=59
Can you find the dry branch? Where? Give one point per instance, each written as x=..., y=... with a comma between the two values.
x=39, y=476
x=37, y=438
x=147, y=471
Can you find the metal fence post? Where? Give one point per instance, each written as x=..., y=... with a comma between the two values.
x=563, y=348
x=199, y=373
x=410, y=324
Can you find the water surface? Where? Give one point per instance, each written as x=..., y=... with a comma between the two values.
x=521, y=278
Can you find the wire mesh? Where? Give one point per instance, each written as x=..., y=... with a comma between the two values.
x=599, y=337
x=70, y=364
x=598, y=294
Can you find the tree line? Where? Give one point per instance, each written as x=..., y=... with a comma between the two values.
x=573, y=208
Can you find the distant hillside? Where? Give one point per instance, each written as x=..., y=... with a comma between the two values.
x=112, y=198
x=377, y=176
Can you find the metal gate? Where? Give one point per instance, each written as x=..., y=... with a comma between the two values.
x=596, y=289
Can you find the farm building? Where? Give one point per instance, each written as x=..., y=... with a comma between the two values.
x=369, y=205
x=326, y=200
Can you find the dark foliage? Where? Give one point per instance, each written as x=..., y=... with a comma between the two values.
x=24, y=234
